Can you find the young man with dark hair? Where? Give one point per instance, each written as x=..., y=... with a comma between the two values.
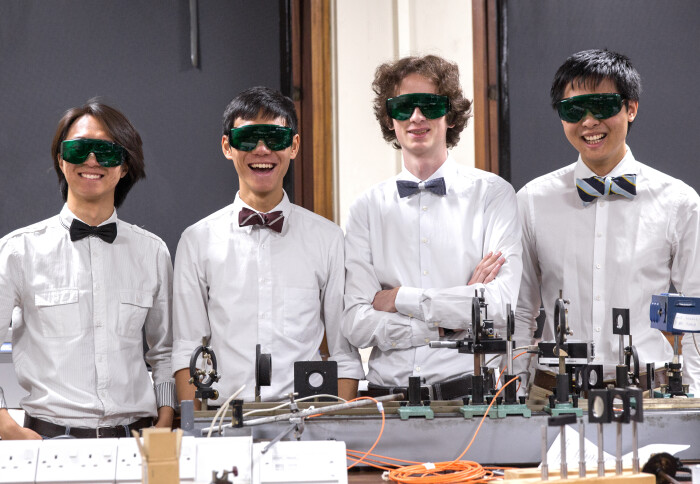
x=419, y=244
x=607, y=230
x=261, y=270
x=87, y=284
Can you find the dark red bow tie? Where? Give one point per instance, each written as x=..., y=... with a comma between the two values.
x=272, y=220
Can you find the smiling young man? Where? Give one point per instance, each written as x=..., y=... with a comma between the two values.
x=88, y=285
x=607, y=230
x=261, y=270
x=419, y=244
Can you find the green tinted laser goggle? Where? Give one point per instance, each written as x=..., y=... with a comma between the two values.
x=432, y=106
x=108, y=154
x=601, y=106
x=274, y=136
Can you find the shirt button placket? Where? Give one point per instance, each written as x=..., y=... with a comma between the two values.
x=99, y=315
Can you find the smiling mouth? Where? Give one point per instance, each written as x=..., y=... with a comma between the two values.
x=419, y=132
x=91, y=176
x=262, y=167
x=593, y=139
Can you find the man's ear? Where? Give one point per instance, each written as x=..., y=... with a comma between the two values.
x=632, y=109
x=296, y=144
x=125, y=169
x=226, y=147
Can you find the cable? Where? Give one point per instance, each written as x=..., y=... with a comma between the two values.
x=260, y=410
x=448, y=472
x=380, y=407
x=222, y=411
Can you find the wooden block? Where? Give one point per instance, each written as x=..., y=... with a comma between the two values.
x=531, y=476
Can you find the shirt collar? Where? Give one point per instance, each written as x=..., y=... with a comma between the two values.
x=447, y=171
x=66, y=217
x=285, y=206
x=627, y=166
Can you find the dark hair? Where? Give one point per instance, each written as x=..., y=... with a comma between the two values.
x=590, y=68
x=445, y=76
x=262, y=101
x=119, y=129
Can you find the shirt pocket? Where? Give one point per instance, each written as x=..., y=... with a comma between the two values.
x=59, y=312
x=301, y=311
x=133, y=309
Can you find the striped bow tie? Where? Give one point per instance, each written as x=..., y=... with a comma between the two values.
x=271, y=220
x=406, y=188
x=589, y=189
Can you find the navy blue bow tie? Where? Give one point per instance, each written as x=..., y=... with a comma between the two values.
x=589, y=189
x=436, y=185
x=79, y=230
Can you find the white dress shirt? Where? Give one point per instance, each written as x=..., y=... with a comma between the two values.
x=429, y=245
x=77, y=349
x=241, y=286
x=614, y=253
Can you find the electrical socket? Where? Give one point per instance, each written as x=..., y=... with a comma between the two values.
x=223, y=453
x=77, y=460
x=18, y=461
x=307, y=461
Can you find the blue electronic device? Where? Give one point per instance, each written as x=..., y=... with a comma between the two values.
x=675, y=313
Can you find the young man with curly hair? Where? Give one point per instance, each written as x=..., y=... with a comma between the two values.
x=419, y=244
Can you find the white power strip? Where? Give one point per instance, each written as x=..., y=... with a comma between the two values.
x=77, y=460
x=18, y=461
x=307, y=461
x=96, y=461
x=222, y=454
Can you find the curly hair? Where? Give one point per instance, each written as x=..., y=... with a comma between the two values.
x=119, y=129
x=445, y=76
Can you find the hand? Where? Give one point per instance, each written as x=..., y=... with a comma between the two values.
x=165, y=417
x=487, y=270
x=10, y=430
x=385, y=300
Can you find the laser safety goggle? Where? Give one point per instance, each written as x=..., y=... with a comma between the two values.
x=601, y=106
x=274, y=136
x=432, y=106
x=108, y=154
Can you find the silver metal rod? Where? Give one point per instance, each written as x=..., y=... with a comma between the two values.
x=545, y=468
x=635, y=447
x=563, y=470
x=194, y=33
x=322, y=410
x=618, y=450
x=601, y=458
x=581, y=449
x=621, y=350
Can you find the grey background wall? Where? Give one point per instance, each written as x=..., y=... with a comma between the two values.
x=136, y=55
x=662, y=40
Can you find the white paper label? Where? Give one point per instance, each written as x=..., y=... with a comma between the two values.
x=687, y=322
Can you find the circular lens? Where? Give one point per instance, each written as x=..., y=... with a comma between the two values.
x=315, y=380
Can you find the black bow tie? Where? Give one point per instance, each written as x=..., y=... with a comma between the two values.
x=80, y=230
x=406, y=188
